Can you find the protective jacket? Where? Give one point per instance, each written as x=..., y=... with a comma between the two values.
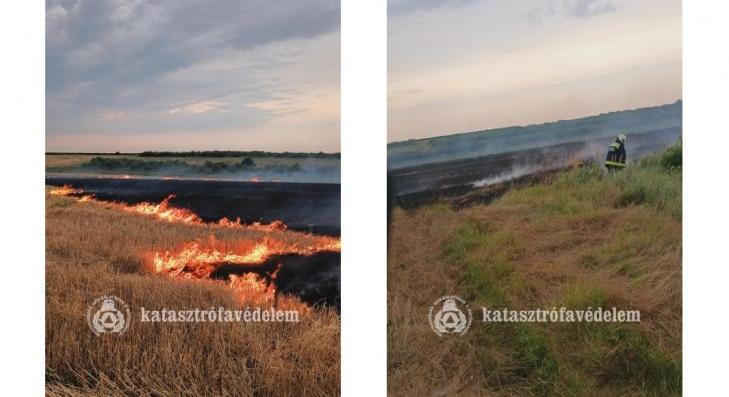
x=615, y=155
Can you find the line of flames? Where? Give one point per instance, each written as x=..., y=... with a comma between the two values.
x=164, y=211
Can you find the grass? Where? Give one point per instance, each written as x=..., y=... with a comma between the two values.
x=578, y=239
x=92, y=250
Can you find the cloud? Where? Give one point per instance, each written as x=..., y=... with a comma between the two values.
x=150, y=59
x=128, y=40
x=399, y=7
x=582, y=9
x=589, y=8
x=111, y=116
x=199, y=107
x=538, y=14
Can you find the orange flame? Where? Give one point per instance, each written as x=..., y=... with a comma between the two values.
x=197, y=261
x=200, y=261
x=252, y=289
x=65, y=190
x=164, y=211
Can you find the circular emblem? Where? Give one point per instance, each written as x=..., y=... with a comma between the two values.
x=108, y=315
x=450, y=315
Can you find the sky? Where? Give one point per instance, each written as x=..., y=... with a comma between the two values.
x=467, y=65
x=134, y=75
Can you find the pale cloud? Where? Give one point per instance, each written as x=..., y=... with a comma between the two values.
x=199, y=107
x=589, y=8
x=582, y=9
x=399, y=7
x=539, y=13
x=111, y=116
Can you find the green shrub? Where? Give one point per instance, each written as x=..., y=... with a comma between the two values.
x=673, y=156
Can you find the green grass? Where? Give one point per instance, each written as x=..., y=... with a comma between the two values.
x=585, y=190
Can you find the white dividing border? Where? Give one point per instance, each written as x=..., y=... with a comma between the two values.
x=22, y=291
x=364, y=243
x=706, y=198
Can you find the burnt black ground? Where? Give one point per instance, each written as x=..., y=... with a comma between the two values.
x=315, y=279
x=310, y=207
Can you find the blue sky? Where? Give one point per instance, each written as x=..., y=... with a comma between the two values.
x=134, y=75
x=465, y=65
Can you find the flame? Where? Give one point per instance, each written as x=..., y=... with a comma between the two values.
x=198, y=261
x=275, y=226
x=65, y=190
x=252, y=289
x=255, y=179
x=166, y=212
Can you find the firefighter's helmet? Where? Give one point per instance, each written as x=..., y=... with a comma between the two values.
x=621, y=138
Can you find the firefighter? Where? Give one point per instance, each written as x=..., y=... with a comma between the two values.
x=615, y=160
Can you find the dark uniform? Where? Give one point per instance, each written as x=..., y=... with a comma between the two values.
x=615, y=160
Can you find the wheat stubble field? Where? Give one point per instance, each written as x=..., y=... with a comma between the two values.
x=93, y=250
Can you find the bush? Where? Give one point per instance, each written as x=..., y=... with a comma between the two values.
x=673, y=157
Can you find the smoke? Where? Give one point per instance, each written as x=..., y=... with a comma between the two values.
x=412, y=153
x=515, y=172
x=302, y=171
x=551, y=159
x=423, y=182
x=547, y=159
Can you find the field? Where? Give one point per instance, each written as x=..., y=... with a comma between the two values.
x=257, y=166
x=94, y=248
x=577, y=238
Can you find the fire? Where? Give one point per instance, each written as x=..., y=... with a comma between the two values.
x=275, y=226
x=255, y=179
x=65, y=190
x=252, y=289
x=164, y=211
x=195, y=260
x=198, y=261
